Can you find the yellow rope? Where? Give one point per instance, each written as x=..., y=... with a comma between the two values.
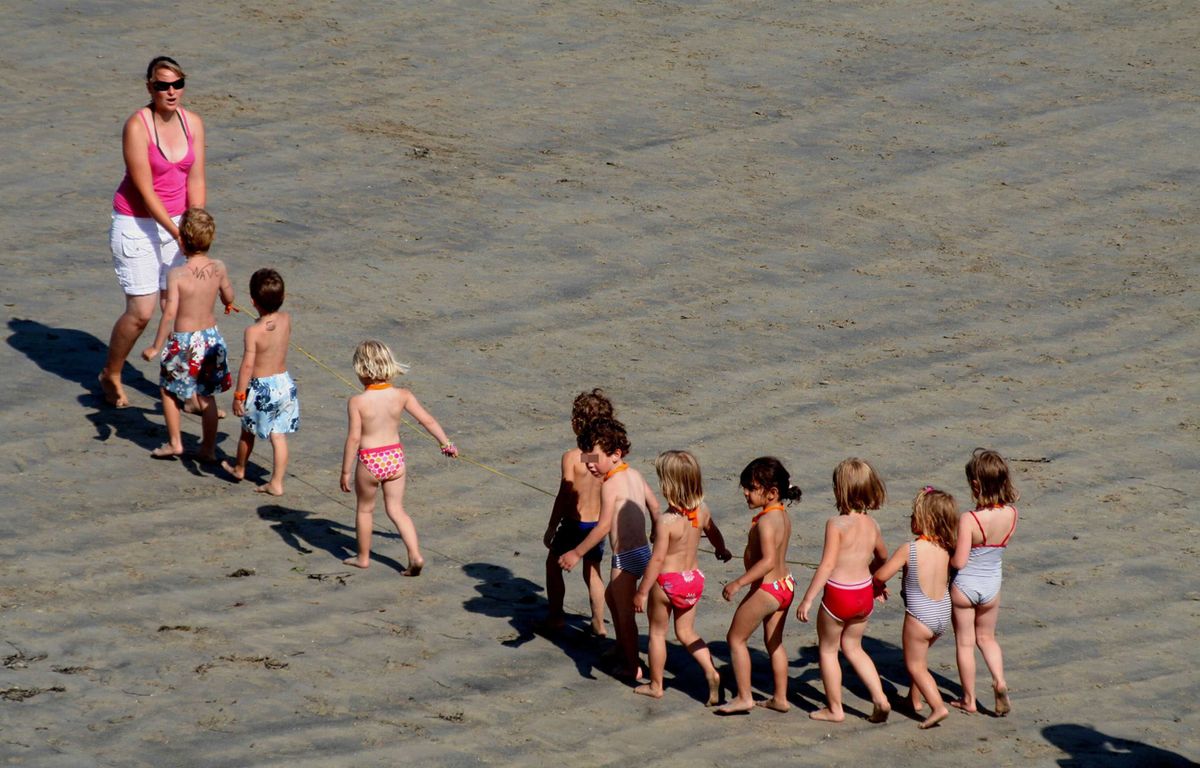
x=406, y=422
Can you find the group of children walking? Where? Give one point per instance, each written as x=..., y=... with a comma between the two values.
x=194, y=366
x=601, y=499
x=952, y=568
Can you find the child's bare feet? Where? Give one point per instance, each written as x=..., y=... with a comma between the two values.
x=166, y=451
x=880, y=713
x=964, y=705
x=826, y=715
x=113, y=392
x=937, y=716
x=238, y=474
x=1003, y=705
x=773, y=704
x=357, y=563
x=649, y=689
x=714, y=690
x=736, y=707
x=414, y=568
x=272, y=488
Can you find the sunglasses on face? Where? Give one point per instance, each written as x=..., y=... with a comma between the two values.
x=162, y=85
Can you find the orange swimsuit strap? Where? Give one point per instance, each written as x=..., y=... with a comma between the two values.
x=766, y=509
x=619, y=468
x=691, y=515
x=380, y=385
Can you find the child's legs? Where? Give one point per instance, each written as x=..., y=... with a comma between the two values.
x=208, y=421
x=621, y=588
x=685, y=633
x=773, y=639
x=659, y=614
x=963, y=617
x=279, y=447
x=754, y=607
x=852, y=635
x=244, y=449
x=171, y=418
x=365, y=486
x=393, y=504
x=917, y=640
x=986, y=618
x=556, y=590
x=595, y=588
x=829, y=639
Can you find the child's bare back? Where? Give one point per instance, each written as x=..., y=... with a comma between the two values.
x=198, y=282
x=268, y=339
x=859, y=536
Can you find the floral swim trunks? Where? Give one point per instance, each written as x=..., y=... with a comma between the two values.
x=272, y=405
x=193, y=362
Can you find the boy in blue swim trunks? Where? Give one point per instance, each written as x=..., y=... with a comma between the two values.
x=193, y=362
x=625, y=503
x=576, y=510
x=265, y=397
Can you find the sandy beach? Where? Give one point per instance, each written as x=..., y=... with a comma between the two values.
x=809, y=230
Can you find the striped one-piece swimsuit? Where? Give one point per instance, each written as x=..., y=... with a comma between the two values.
x=934, y=614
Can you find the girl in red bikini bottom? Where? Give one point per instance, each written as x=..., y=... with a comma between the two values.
x=854, y=548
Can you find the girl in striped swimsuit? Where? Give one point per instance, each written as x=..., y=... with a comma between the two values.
x=926, y=564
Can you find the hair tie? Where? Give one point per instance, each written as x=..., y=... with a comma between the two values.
x=928, y=489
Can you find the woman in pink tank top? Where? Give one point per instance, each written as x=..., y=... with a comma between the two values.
x=164, y=175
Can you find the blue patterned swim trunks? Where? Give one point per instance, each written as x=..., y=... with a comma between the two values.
x=194, y=362
x=272, y=405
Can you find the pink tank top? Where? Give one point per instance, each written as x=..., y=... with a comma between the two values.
x=170, y=179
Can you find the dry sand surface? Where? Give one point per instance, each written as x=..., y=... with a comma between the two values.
x=890, y=229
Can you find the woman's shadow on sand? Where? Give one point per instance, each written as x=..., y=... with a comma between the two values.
x=306, y=534
x=79, y=356
x=503, y=595
x=1089, y=748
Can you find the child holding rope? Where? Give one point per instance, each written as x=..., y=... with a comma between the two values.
x=373, y=437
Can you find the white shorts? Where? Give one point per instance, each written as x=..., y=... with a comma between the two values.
x=142, y=252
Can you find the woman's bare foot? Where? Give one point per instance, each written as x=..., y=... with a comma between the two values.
x=238, y=474
x=205, y=458
x=736, y=707
x=937, y=716
x=880, y=713
x=1003, y=705
x=827, y=716
x=714, y=690
x=962, y=704
x=113, y=392
x=166, y=451
x=357, y=563
x=598, y=632
x=414, y=568
x=272, y=488
x=649, y=689
x=773, y=704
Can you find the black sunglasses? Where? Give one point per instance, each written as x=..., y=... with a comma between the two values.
x=161, y=85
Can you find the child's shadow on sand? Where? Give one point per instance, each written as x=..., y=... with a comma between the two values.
x=1089, y=748
x=305, y=534
x=503, y=595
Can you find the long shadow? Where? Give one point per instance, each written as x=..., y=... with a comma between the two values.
x=503, y=595
x=71, y=354
x=305, y=534
x=78, y=356
x=1088, y=748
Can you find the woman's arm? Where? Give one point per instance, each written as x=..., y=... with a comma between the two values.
x=197, y=185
